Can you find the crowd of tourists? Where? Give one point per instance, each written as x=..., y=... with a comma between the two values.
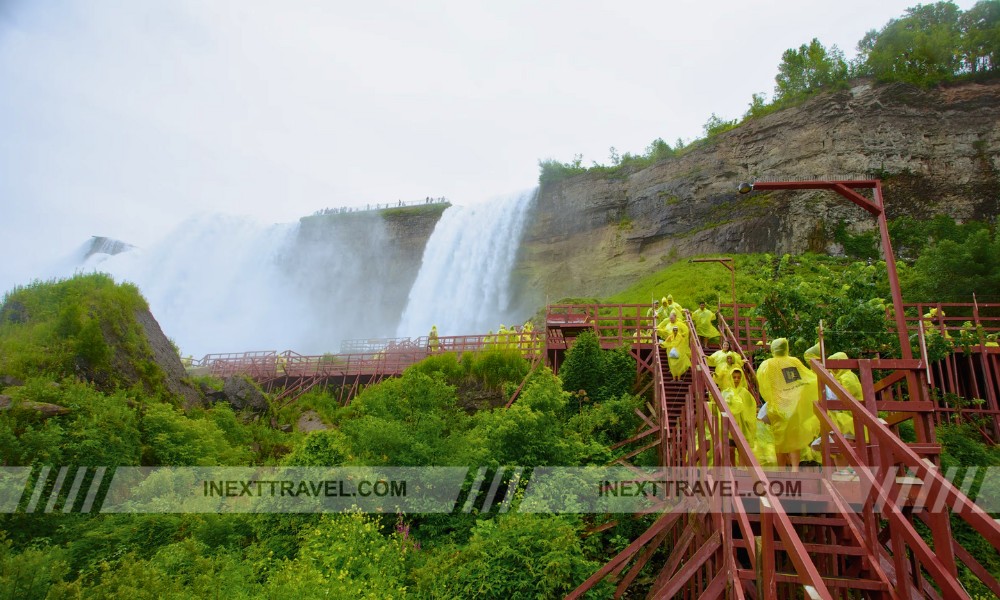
x=784, y=430
x=520, y=338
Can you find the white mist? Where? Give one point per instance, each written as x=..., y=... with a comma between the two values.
x=464, y=279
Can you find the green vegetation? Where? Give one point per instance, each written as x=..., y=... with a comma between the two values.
x=421, y=418
x=82, y=327
x=77, y=346
x=600, y=374
x=947, y=261
x=952, y=270
x=346, y=216
x=928, y=45
x=850, y=303
x=416, y=419
x=552, y=170
x=433, y=208
x=691, y=282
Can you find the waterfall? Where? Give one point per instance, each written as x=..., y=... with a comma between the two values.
x=214, y=284
x=221, y=283
x=463, y=282
x=230, y=284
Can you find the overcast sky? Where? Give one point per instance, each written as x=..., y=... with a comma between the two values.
x=123, y=118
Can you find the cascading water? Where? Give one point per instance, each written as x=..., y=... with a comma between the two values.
x=463, y=282
x=213, y=283
x=221, y=283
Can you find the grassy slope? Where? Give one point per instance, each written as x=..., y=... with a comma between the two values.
x=692, y=282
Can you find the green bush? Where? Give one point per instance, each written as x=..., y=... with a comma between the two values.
x=32, y=573
x=85, y=326
x=344, y=556
x=408, y=421
x=532, y=432
x=171, y=438
x=602, y=374
x=497, y=366
x=445, y=363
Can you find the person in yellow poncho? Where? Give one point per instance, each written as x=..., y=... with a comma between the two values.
x=432, y=340
x=673, y=320
x=782, y=379
x=645, y=335
x=931, y=325
x=513, y=335
x=668, y=305
x=844, y=419
x=719, y=356
x=654, y=311
x=527, y=341
x=742, y=404
x=703, y=324
x=722, y=371
x=678, y=351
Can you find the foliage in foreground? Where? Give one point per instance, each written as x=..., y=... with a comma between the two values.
x=85, y=326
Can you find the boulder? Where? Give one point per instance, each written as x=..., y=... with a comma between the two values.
x=45, y=409
x=7, y=381
x=244, y=395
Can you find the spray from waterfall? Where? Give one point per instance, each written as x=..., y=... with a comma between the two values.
x=230, y=284
x=214, y=284
x=463, y=285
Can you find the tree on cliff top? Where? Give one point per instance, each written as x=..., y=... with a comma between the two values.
x=808, y=69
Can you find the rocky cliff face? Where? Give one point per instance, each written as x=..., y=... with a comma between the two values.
x=358, y=268
x=936, y=151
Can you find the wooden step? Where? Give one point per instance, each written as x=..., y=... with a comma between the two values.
x=832, y=582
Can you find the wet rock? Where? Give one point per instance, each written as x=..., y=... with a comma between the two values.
x=242, y=394
x=310, y=421
x=7, y=381
x=45, y=409
x=937, y=151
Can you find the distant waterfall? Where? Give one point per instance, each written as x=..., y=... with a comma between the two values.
x=230, y=284
x=213, y=284
x=463, y=283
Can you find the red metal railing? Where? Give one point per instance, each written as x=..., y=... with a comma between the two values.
x=258, y=365
x=394, y=359
x=614, y=324
x=876, y=550
x=905, y=487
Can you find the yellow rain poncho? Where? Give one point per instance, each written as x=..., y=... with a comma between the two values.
x=763, y=447
x=527, y=345
x=513, y=335
x=719, y=356
x=674, y=320
x=678, y=351
x=703, y=319
x=654, y=310
x=812, y=353
x=742, y=404
x=842, y=418
x=668, y=305
x=846, y=377
x=782, y=381
x=433, y=343
x=931, y=324
x=730, y=361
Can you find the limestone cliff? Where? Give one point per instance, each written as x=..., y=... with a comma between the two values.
x=360, y=267
x=937, y=151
